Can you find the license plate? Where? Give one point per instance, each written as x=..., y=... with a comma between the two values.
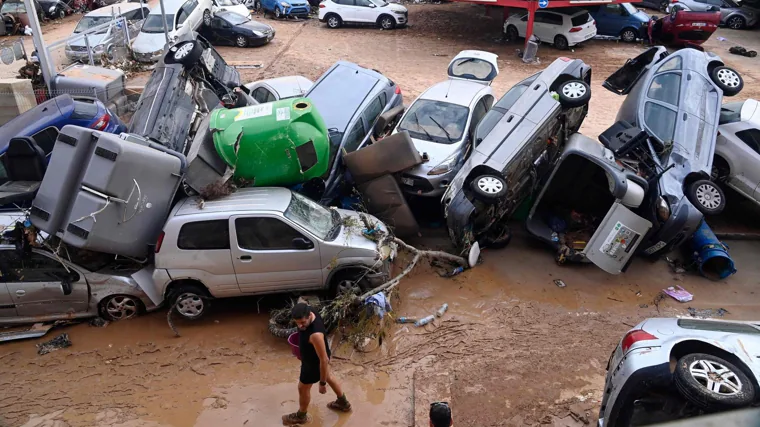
x=699, y=24
x=408, y=181
x=654, y=248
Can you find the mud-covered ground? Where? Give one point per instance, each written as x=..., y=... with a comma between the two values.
x=513, y=349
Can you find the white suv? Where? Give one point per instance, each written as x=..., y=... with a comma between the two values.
x=563, y=27
x=375, y=12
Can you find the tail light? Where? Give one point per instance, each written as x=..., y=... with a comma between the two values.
x=575, y=29
x=635, y=336
x=398, y=90
x=102, y=122
x=564, y=58
x=321, y=5
x=160, y=241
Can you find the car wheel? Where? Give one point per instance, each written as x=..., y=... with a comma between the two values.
x=61, y=13
x=560, y=42
x=736, y=23
x=728, y=80
x=720, y=170
x=185, y=53
x=707, y=197
x=664, y=5
x=189, y=301
x=498, y=236
x=512, y=33
x=489, y=188
x=334, y=21
x=206, y=18
x=277, y=13
x=628, y=35
x=257, y=6
x=574, y=93
x=713, y=383
x=241, y=41
x=110, y=53
x=386, y=22
x=349, y=285
x=121, y=307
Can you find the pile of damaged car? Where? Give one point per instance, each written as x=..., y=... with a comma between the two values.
x=219, y=189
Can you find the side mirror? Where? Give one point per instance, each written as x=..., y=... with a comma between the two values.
x=302, y=243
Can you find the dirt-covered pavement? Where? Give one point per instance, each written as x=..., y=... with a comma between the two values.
x=513, y=349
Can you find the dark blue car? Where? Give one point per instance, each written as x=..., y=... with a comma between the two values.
x=620, y=20
x=44, y=121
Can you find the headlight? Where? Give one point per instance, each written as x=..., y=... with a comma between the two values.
x=398, y=12
x=445, y=165
x=258, y=33
x=98, y=49
x=284, y=4
x=663, y=209
x=52, y=9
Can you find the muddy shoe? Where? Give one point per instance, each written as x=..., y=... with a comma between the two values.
x=341, y=405
x=295, y=419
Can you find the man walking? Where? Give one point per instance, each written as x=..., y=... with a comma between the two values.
x=315, y=365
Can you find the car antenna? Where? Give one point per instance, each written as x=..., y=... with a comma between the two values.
x=448, y=90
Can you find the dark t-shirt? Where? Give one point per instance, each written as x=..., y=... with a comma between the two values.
x=308, y=352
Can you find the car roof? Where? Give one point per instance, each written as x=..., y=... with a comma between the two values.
x=115, y=9
x=245, y=199
x=169, y=5
x=454, y=91
x=284, y=85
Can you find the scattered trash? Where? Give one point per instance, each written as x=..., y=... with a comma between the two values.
x=442, y=310
x=559, y=283
x=643, y=306
x=453, y=272
x=738, y=50
x=678, y=293
x=657, y=299
x=424, y=321
x=440, y=54
x=28, y=31
x=248, y=67
x=407, y=320
x=722, y=39
x=706, y=313
x=614, y=299
x=676, y=265
x=99, y=322
x=57, y=343
x=638, y=294
x=379, y=304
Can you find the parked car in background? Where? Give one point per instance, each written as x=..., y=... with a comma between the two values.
x=562, y=27
x=737, y=152
x=231, y=6
x=676, y=98
x=516, y=144
x=110, y=38
x=443, y=119
x=620, y=20
x=279, y=88
x=373, y=12
x=182, y=17
x=668, y=369
x=233, y=29
x=681, y=28
x=732, y=14
x=259, y=241
x=350, y=98
x=55, y=9
x=17, y=10
x=42, y=287
x=286, y=8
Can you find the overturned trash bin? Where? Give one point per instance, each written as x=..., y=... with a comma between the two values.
x=711, y=254
x=274, y=144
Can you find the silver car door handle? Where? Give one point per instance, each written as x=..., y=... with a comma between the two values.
x=245, y=258
x=20, y=292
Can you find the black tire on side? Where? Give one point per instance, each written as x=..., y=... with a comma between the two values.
x=561, y=43
x=574, y=93
x=628, y=35
x=61, y=13
x=720, y=170
x=736, y=23
x=333, y=21
x=489, y=188
x=735, y=389
x=706, y=196
x=207, y=18
x=512, y=33
x=194, y=304
x=386, y=22
x=277, y=12
x=280, y=331
x=728, y=80
x=497, y=237
x=188, y=58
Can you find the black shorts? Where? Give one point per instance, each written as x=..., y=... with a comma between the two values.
x=309, y=374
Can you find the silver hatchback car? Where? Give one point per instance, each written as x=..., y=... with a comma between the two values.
x=665, y=369
x=260, y=241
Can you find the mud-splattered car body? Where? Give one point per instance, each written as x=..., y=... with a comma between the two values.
x=642, y=386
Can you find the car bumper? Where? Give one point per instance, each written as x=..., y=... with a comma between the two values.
x=401, y=19
x=147, y=57
x=580, y=37
x=81, y=56
x=684, y=220
x=426, y=185
x=298, y=11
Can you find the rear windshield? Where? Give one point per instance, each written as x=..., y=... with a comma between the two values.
x=13, y=8
x=85, y=109
x=153, y=24
x=731, y=112
x=472, y=68
x=435, y=121
x=340, y=94
x=580, y=19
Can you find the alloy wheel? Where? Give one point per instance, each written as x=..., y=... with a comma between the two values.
x=628, y=36
x=490, y=185
x=122, y=307
x=729, y=78
x=736, y=23
x=241, y=41
x=715, y=377
x=348, y=287
x=708, y=196
x=183, y=51
x=386, y=23
x=332, y=22
x=277, y=13
x=574, y=90
x=206, y=18
x=190, y=305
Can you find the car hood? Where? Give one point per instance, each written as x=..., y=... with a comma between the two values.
x=436, y=153
x=255, y=26
x=149, y=42
x=396, y=7
x=238, y=8
x=352, y=241
x=93, y=39
x=641, y=16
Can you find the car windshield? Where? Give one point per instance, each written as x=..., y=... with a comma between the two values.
x=731, y=112
x=153, y=23
x=235, y=19
x=91, y=22
x=13, y=8
x=310, y=215
x=580, y=19
x=731, y=3
x=435, y=121
x=629, y=8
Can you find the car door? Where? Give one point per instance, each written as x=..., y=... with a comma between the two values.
x=478, y=112
x=703, y=5
x=365, y=11
x=661, y=103
x=345, y=8
x=221, y=31
x=749, y=144
x=271, y=254
x=35, y=282
x=610, y=21
x=7, y=306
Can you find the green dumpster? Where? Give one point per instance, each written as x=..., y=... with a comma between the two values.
x=279, y=143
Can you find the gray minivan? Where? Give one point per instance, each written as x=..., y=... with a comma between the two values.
x=350, y=98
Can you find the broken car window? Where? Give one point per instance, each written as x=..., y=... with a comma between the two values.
x=436, y=121
x=730, y=112
x=310, y=215
x=751, y=137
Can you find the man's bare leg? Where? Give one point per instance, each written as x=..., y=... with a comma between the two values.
x=334, y=385
x=341, y=404
x=300, y=417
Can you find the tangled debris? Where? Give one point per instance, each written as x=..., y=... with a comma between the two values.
x=706, y=313
x=124, y=63
x=57, y=343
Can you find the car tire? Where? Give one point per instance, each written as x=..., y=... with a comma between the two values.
x=280, y=331
x=720, y=170
x=182, y=54
x=728, y=80
x=628, y=35
x=489, y=188
x=333, y=21
x=512, y=33
x=257, y=6
x=193, y=301
x=574, y=93
x=386, y=22
x=206, y=18
x=277, y=12
x=736, y=23
x=241, y=41
x=61, y=14
x=498, y=236
x=695, y=376
x=561, y=43
x=707, y=197
x=120, y=307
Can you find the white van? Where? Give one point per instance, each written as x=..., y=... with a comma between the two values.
x=111, y=37
x=182, y=16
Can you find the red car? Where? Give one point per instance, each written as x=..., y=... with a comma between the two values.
x=682, y=28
